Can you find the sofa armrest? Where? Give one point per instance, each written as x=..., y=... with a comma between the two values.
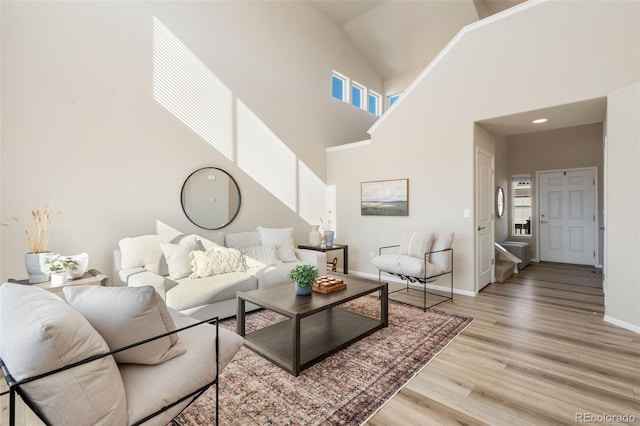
x=141, y=277
x=315, y=258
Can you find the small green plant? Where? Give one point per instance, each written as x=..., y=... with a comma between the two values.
x=303, y=275
x=58, y=264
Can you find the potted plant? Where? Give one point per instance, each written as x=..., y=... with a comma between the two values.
x=37, y=241
x=303, y=276
x=59, y=266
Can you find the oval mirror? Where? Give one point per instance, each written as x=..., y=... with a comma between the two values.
x=500, y=202
x=210, y=198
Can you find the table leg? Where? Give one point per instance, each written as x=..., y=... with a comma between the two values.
x=295, y=368
x=345, y=256
x=240, y=328
x=384, y=305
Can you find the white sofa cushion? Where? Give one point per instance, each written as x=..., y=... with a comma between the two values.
x=145, y=252
x=191, y=293
x=416, y=243
x=150, y=392
x=216, y=260
x=212, y=238
x=405, y=265
x=260, y=256
x=138, y=277
x=40, y=333
x=126, y=315
x=282, y=239
x=274, y=275
x=242, y=239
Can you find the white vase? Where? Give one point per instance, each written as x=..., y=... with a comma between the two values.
x=315, y=238
x=83, y=265
x=36, y=266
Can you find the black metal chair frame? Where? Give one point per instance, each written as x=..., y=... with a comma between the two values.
x=15, y=386
x=423, y=280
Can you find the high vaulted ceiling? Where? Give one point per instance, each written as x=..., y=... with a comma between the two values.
x=399, y=37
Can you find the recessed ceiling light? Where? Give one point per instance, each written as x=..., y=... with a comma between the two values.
x=540, y=120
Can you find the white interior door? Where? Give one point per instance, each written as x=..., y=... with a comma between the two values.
x=484, y=218
x=568, y=216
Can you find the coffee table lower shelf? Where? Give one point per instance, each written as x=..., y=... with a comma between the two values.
x=321, y=335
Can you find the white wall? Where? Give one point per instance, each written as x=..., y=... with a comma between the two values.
x=502, y=179
x=80, y=123
x=547, y=54
x=623, y=204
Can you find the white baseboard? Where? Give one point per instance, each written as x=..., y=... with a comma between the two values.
x=623, y=324
x=399, y=281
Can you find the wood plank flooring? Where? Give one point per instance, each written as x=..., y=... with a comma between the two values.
x=538, y=353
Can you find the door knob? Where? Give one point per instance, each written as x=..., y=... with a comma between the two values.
x=543, y=221
x=480, y=228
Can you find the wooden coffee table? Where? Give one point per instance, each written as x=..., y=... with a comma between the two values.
x=316, y=327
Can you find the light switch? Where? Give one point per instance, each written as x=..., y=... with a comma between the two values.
x=467, y=213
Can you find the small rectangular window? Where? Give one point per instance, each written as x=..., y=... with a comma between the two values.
x=339, y=87
x=357, y=95
x=393, y=99
x=521, y=201
x=374, y=103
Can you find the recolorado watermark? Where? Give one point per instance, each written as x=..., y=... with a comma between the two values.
x=605, y=418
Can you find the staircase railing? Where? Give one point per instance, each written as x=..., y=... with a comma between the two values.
x=510, y=256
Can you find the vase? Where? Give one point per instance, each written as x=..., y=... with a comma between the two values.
x=36, y=265
x=58, y=278
x=315, y=238
x=83, y=265
x=328, y=238
x=303, y=291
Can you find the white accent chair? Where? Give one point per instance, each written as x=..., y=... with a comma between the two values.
x=420, y=258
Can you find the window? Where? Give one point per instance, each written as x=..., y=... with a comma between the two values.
x=339, y=86
x=357, y=95
x=521, y=197
x=393, y=99
x=374, y=103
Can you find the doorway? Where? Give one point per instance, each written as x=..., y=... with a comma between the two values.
x=567, y=216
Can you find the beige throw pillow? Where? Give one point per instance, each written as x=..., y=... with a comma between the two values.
x=261, y=256
x=177, y=256
x=416, y=243
x=127, y=315
x=41, y=333
x=216, y=260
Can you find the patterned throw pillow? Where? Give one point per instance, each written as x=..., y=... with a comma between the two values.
x=216, y=260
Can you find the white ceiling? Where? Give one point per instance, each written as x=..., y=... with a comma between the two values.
x=401, y=37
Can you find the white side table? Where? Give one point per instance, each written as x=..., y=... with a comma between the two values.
x=91, y=277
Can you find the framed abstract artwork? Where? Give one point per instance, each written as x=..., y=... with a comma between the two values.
x=385, y=198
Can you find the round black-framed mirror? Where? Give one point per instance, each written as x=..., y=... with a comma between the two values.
x=210, y=198
x=500, y=202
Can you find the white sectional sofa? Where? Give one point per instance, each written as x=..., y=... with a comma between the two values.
x=167, y=263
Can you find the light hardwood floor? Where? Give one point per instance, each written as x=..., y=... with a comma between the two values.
x=537, y=353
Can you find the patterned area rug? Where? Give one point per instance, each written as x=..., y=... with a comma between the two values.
x=343, y=389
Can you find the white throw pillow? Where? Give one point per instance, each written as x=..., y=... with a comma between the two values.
x=416, y=243
x=145, y=252
x=261, y=256
x=126, y=315
x=177, y=256
x=443, y=241
x=216, y=260
x=41, y=333
x=282, y=238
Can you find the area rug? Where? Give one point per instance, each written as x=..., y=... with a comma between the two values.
x=343, y=389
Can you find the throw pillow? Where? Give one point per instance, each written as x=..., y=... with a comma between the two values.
x=242, y=239
x=416, y=243
x=127, y=315
x=145, y=252
x=282, y=238
x=177, y=256
x=261, y=256
x=41, y=333
x=216, y=260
